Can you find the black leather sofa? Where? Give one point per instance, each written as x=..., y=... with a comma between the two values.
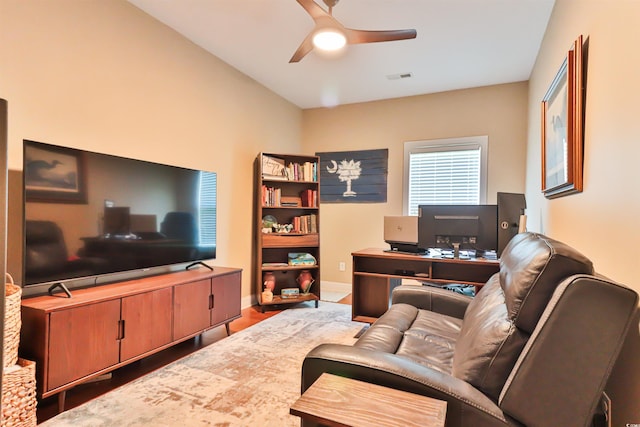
x=534, y=347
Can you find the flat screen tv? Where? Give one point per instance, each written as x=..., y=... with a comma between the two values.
x=88, y=214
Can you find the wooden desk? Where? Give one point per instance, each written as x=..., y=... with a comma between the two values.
x=376, y=273
x=336, y=401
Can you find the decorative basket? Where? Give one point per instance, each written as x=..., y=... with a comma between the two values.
x=12, y=322
x=19, y=395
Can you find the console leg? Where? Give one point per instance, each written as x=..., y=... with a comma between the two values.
x=316, y=303
x=61, y=398
x=226, y=325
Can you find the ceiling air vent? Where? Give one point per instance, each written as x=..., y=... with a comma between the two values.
x=399, y=76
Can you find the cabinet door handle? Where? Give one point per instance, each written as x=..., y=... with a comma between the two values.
x=120, y=330
x=211, y=302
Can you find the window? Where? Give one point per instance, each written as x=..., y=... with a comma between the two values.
x=207, y=217
x=445, y=171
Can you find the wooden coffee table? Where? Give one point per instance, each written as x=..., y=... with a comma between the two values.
x=338, y=401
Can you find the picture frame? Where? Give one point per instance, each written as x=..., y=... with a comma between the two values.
x=54, y=174
x=562, y=128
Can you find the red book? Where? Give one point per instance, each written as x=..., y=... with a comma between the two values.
x=307, y=198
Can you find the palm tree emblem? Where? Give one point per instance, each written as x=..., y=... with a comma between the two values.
x=347, y=171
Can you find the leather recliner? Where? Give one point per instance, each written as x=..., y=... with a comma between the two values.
x=534, y=347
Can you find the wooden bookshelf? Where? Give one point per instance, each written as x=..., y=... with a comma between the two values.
x=287, y=190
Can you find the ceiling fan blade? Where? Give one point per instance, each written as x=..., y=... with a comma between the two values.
x=305, y=47
x=364, y=36
x=313, y=9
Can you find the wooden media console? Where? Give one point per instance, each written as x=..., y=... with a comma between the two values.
x=106, y=327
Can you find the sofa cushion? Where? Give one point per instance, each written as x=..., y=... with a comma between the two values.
x=387, y=332
x=531, y=267
x=489, y=342
x=423, y=336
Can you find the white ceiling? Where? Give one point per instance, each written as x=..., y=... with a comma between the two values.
x=460, y=44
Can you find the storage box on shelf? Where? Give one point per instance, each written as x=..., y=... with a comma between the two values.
x=287, y=221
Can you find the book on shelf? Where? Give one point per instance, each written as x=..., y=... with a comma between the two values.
x=309, y=198
x=275, y=264
x=275, y=178
x=271, y=197
x=291, y=201
x=289, y=293
x=306, y=171
x=305, y=224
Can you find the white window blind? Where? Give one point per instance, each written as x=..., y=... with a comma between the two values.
x=445, y=172
x=208, y=214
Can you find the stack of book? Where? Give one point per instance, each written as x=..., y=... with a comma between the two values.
x=271, y=196
x=307, y=171
x=290, y=201
x=305, y=224
x=309, y=198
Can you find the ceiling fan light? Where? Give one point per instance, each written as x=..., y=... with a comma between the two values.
x=329, y=39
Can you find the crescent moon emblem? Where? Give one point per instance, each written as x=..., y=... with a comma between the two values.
x=335, y=167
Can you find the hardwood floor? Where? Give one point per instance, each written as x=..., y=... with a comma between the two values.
x=48, y=408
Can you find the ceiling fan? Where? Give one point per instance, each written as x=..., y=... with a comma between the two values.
x=329, y=30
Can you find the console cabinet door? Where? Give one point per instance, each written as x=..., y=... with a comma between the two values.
x=82, y=341
x=191, y=308
x=146, y=322
x=226, y=298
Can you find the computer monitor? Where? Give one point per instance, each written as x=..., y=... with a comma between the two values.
x=474, y=227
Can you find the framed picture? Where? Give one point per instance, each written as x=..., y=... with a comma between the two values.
x=53, y=174
x=562, y=124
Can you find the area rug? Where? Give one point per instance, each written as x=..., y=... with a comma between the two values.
x=248, y=379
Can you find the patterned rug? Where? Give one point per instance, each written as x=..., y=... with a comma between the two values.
x=248, y=379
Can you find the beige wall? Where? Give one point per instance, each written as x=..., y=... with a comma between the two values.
x=496, y=111
x=601, y=221
x=104, y=76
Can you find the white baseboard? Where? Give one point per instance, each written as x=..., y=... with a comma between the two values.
x=248, y=301
x=336, y=286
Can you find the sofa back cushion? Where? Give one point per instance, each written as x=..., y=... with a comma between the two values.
x=489, y=343
x=531, y=267
x=504, y=313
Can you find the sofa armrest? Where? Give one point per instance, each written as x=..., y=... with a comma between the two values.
x=433, y=299
x=466, y=405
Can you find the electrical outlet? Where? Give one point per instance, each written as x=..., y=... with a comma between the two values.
x=342, y=266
